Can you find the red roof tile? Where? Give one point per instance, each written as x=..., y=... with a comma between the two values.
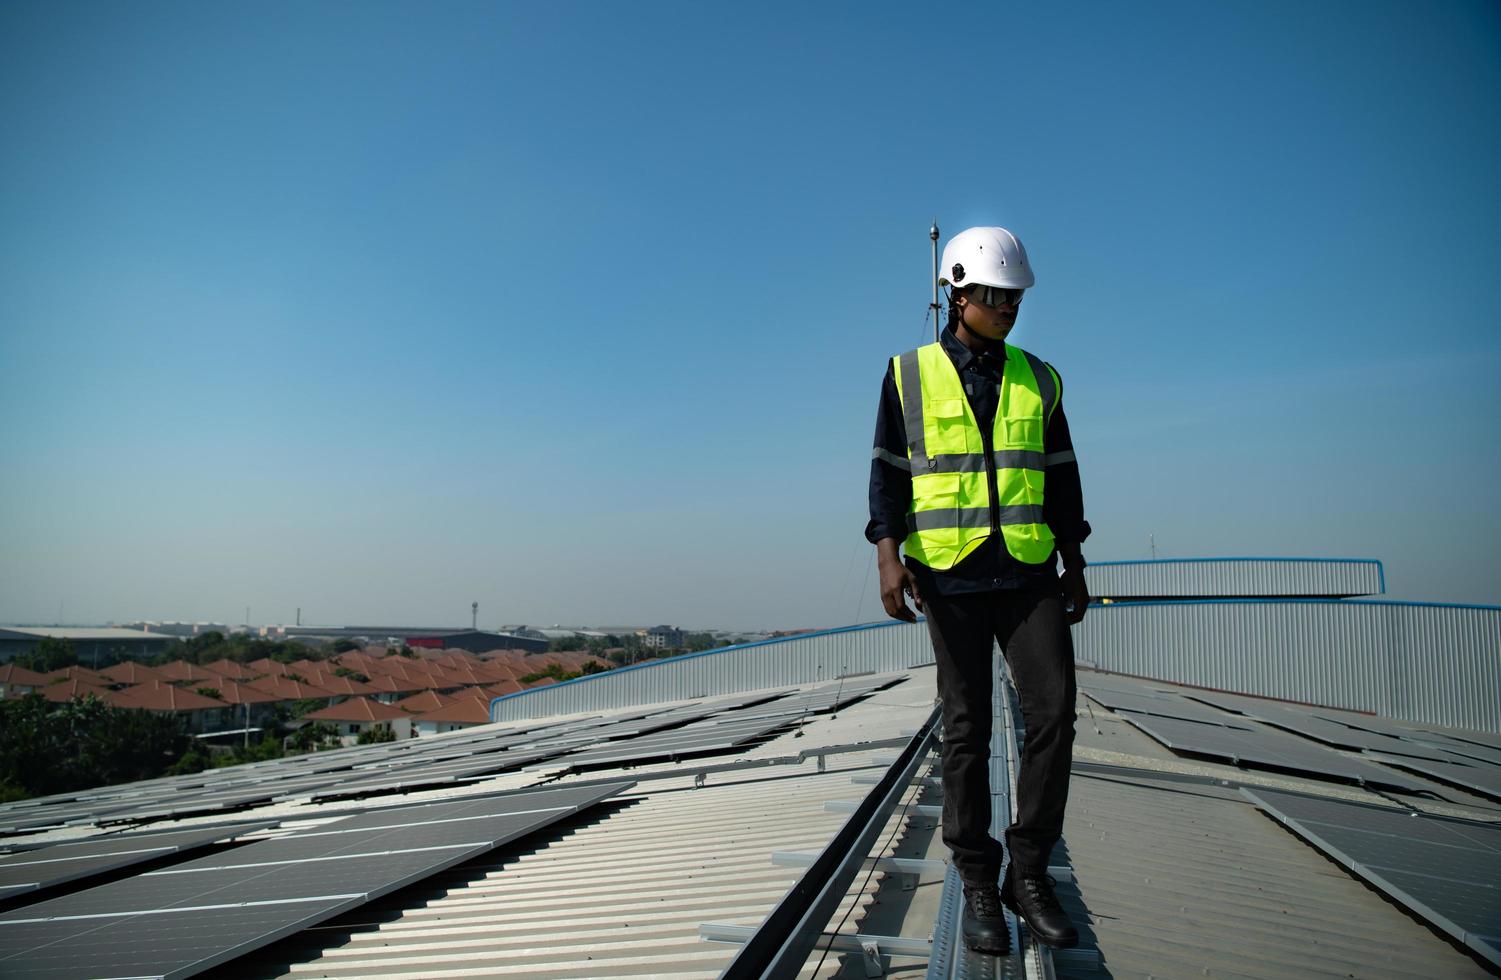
x=340, y=685
x=424, y=701
x=286, y=689
x=75, y=688
x=230, y=669
x=388, y=684
x=77, y=673
x=11, y=675
x=235, y=692
x=159, y=696
x=357, y=709
x=474, y=710
x=179, y=671
x=130, y=672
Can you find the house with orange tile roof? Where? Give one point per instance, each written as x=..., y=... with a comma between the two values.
x=266, y=665
x=423, y=701
x=131, y=672
x=16, y=681
x=67, y=690
x=250, y=704
x=390, y=689
x=357, y=715
x=202, y=714
x=464, y=712
x=229, y=668
x=287, y=689
x=77, y=673
x=182, y=672
x=345, y=687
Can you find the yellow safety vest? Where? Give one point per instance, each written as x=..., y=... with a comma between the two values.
x=951, y=511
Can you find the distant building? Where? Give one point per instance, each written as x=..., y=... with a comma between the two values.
x=178, y=629
x=661, y=637
x=93, y=646
x=478, y=641
x=437, y=638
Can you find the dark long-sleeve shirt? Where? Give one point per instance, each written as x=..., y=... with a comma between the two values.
x=990, y=566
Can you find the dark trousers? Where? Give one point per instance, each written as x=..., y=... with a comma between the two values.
x=1029, y=625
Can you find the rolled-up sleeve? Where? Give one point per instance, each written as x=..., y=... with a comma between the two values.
x=1063, y=499
x=890, y=473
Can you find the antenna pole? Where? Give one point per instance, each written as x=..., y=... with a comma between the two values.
x=933, y=234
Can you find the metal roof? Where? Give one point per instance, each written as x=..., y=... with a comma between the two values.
x=1173, y=873
x=78, y=633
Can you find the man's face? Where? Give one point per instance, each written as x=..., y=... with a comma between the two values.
x=990, y=322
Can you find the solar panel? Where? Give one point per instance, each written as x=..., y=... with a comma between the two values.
x=43, y=867
x=1465, y=750
x=1304, y=722
x=407, y=778
x=1475, y=738
x=1370, y=723
x=1442, y=868
x=1114, y=682
x=681, y=741
x=1169, y=706
x=1474, y=775
x=1267, y=749
x=182, y=920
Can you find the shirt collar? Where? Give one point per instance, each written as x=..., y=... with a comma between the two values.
x=962, y=356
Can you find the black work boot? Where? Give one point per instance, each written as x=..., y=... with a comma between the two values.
x=1031, y=898
x=984, y=925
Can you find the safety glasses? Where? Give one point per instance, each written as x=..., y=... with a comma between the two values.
x=996, y=296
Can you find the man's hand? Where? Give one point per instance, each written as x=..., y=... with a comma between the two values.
x=1075, y=593
x=896, y=579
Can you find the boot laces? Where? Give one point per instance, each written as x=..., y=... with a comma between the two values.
x=985, y=902
x=1040, y=889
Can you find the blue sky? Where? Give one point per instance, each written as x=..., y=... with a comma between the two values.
x=580, y=311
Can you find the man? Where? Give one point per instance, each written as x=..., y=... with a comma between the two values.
x=973, y=476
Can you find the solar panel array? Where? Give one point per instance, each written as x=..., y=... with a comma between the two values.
x=1444, y=869
x=439, y=760
x=1228, y=727
x=185, y=919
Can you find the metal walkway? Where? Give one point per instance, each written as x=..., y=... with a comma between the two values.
x=782, y=944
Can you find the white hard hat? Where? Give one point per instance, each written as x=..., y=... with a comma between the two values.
x=988, y=256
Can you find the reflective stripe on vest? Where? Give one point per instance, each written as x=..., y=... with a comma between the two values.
x=950, y=513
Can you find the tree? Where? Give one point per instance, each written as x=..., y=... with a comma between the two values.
x=697, y=642
x=376, y=733
x=51, y=653
x=47, y=748
x=315, y=736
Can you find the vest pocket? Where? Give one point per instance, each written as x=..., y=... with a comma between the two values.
x=1024, y=432
x=936, y=496
x=951, y=431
